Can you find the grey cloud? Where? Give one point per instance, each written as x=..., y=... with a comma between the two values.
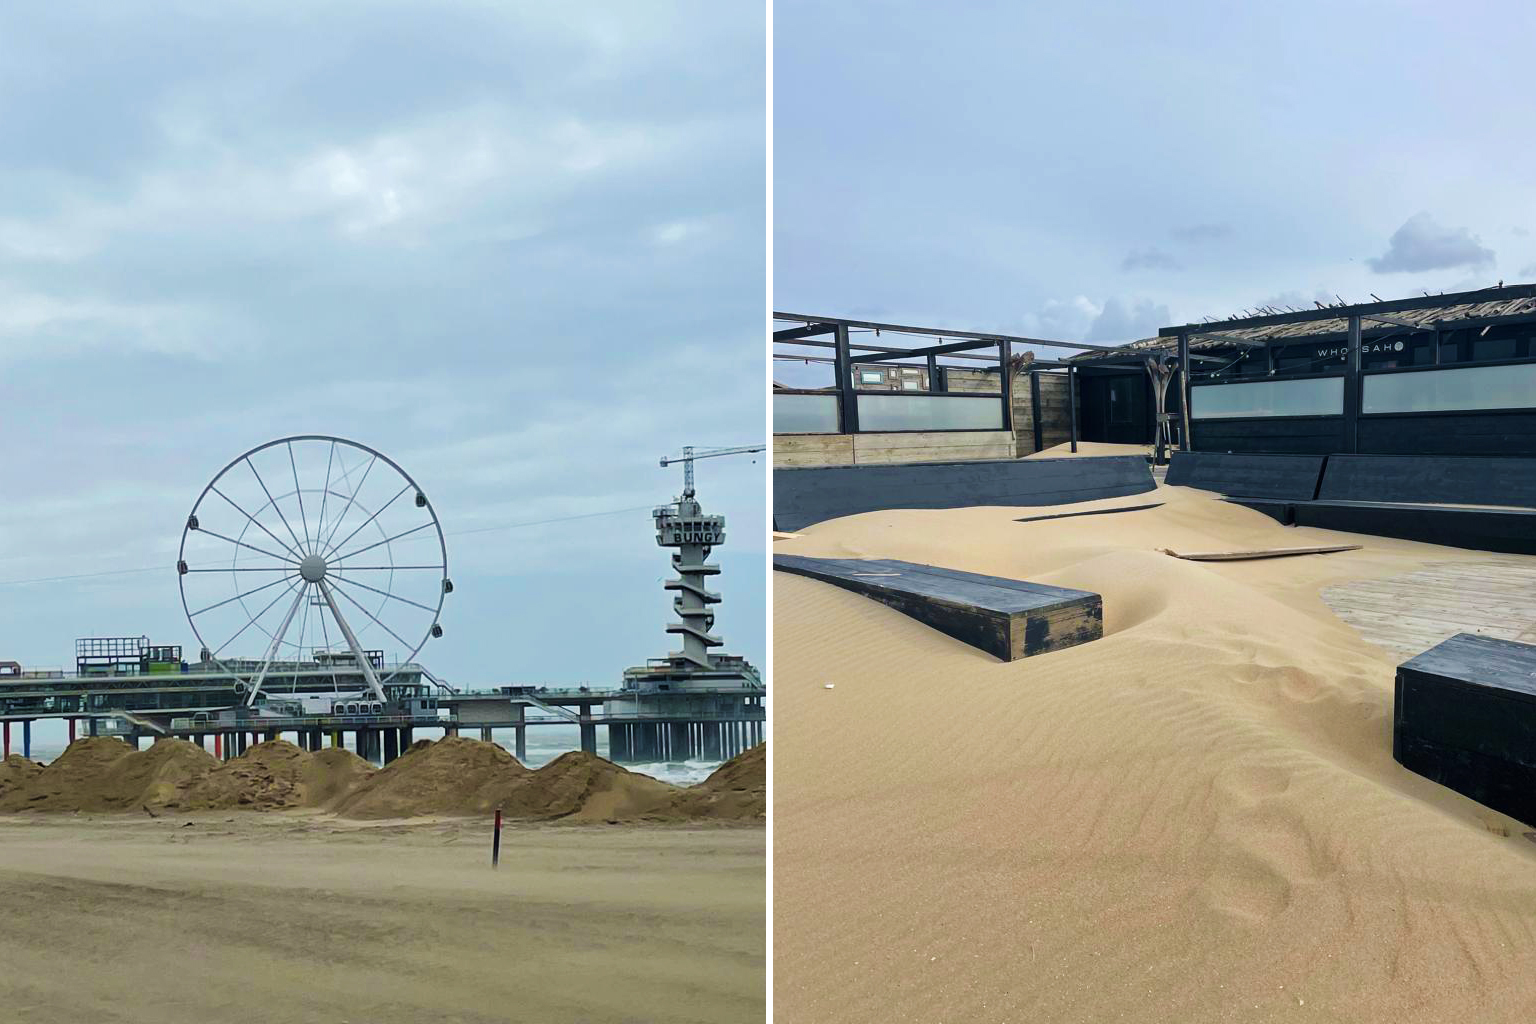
x=1150, y=258
x=1424, y=244
x=1128, y=320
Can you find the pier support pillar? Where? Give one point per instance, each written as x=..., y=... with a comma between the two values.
x=450, y=730
x=7, y=752
x=218, y=746
x=589, y=737
x=407, y=737
x=92, y=726
x=71, y=722
x=712, y=741
x=336, y=737
x=618, y=747
x=26, y=738
x=678, y=741
x=520, y=741
x=485, y=734
x=391, y=745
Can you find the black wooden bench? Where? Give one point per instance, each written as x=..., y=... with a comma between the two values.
x=1423, y=498
x=1010, y=619
x=1465, y=717
x=804, y=497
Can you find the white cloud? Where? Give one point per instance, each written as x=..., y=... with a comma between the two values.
x=1422, y=243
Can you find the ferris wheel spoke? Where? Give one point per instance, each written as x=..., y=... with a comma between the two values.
x=325, y=492
x=325, y=632
x=252, y=547
x=277, y=640
x=219, y=649
x=403, y=642
x=272, y=501
x=386, y=540
x=248, y=593
x=299, y=491
x=303, y=625
x=350, y=499
x=385, y=593
x=371, y=518
x=377, y=568
x=280, y=543
x=358, y=654
x=246, y=568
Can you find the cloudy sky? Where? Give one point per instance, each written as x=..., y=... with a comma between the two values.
x=517, y=247
x=1096, y=171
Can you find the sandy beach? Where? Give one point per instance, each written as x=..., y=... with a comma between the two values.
x=1195, y=818
x=298, y=916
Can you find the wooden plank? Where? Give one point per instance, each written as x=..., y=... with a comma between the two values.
x=931, y=439
x=1009, y=619
x=883, y=456
x=813, y=449
x=1413, y=611
x=1090, y=512
x=781, y=535
x=1244, y=556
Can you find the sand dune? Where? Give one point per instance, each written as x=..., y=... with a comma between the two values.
x=449, y=777
x=1196, y=818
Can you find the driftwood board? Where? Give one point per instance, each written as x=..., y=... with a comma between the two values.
x=1009, y=619
x=1244, y=556
x=1090, y=512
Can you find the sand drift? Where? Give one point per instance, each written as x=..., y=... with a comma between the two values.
x=449, y=777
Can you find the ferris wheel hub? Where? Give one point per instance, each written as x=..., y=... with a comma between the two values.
x=312, y=568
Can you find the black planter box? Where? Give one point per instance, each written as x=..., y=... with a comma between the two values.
x=1465, y=716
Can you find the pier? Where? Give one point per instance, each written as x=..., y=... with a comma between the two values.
x=204, y=704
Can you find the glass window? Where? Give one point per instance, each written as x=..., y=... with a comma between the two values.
x=805, y=414
x=871, y=377
x=1319, y=396
x=1464, y=387
x=929, y=412
x=1485, y=349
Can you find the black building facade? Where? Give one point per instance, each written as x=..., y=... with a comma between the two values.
x=1437, y=375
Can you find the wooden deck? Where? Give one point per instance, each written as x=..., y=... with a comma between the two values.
x=1411, y=613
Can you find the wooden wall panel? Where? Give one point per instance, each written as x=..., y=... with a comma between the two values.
x=791, y=450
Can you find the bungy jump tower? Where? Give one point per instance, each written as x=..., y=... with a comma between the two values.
x=692, y=703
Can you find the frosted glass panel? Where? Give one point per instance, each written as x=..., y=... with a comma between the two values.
x=929, y=412
x=1316, y=396
x=1467, y=387
x=805, y=414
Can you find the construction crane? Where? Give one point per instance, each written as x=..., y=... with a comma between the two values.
x=689, y=454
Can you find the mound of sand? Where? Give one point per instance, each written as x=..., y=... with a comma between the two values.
x=1195, y=818
x=276, y=775
x=458, y=776
x=454, y=776
x=16, y=771
x=101, y=773
x=736, y=791
x=578, y=786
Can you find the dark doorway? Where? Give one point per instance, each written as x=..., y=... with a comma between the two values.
x=1116, y=408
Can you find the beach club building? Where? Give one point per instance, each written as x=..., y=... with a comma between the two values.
x=1450, y=374
x=1435, y=375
